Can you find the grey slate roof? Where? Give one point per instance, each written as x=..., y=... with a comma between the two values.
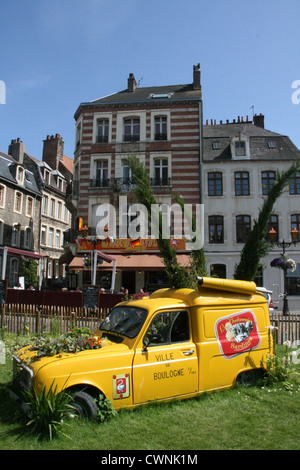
x=8, y=171
x=259, y=139
x=145, y=94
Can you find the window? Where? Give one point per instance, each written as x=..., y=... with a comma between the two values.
x=43, y=235
x=58, y=210
x=2, y=195
x=240, y=148
x=215, y=184
x=29, y=208
x=45, y=205
x=216, y=229
x=60, y=184
x=271, y=144
x=102, y=131
x=126, y=173
x=46, y=176
x=243, y=226
x=160, y=172
x=295, y=221
x=160, y=124
x=167, y=328
x=293, y=281
x=273, y=224
x=51, y=237
x=216, y=145
x=15, y=239
x=18, y=202
x=218, y=270
x=20, y=174
x=52, y=207
x=295, y=184
x=131, y=130
x=57, y=239
x=101, y=173
x=50, y=269
x=28, y=241
x=1, y=231
x=267, y=181
x=241, y=183
x=78, y=135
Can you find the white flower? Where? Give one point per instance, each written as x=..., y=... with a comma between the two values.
x=293, y=264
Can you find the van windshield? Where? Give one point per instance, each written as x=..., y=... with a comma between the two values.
x=126, y=321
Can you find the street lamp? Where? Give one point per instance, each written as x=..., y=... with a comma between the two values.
x=284, y=245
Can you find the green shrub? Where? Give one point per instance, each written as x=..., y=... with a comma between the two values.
x=106, y=410
x=47, y=410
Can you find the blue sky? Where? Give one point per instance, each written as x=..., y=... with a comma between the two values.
x=56, y=54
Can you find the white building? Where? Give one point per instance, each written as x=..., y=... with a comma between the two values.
x=240, y=161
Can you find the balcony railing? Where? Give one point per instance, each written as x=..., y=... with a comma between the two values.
x=160, y=181
x=101, y=139
x=100, y=183
x=160, y=136
x=131, y=137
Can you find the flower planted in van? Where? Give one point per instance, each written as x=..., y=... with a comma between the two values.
x=75, y=340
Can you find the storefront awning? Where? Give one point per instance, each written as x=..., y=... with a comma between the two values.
x=27, y=254
x=143, y=262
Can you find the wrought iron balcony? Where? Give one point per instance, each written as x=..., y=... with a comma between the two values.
x=160, y=182
x=100, y=183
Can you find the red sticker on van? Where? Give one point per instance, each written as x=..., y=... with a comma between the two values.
x=237, y=333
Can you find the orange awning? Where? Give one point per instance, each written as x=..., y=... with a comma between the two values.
x=143, y=262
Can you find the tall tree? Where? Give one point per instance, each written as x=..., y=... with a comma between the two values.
x=256, y=245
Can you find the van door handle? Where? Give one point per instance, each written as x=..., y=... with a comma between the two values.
x=188, y=353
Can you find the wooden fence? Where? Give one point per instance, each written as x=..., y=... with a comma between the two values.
x=25, y=319
x=287, y=328
x=22, y=319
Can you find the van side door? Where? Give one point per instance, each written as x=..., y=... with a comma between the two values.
x=167, y=365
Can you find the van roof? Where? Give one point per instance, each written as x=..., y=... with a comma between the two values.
x=211, y=291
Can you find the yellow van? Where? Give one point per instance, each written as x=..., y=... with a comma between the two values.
x=175, y=343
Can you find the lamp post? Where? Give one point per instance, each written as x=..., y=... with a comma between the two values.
x=284, y=245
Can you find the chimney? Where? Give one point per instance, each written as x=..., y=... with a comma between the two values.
x=131, y=83
x=17, y=150
x=259, y=120
x=53, y=150
x=196, y=77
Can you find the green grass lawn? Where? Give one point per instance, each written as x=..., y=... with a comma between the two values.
x=242, y=418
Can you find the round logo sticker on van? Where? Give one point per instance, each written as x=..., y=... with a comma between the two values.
x=237, y=333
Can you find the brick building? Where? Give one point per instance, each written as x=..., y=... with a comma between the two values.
x=162, y=126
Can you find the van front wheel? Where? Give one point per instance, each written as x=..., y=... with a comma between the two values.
x=83, y=405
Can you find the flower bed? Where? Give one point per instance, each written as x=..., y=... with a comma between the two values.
x=75, y=340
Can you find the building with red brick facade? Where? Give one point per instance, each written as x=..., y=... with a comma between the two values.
x=162, y=126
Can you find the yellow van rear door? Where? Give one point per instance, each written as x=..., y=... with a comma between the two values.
x=168, y=364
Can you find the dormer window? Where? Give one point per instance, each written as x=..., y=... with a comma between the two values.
x=20, y=175
x=46, y=176
x=272, y=144
x=60, y=183
x=240, y=148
